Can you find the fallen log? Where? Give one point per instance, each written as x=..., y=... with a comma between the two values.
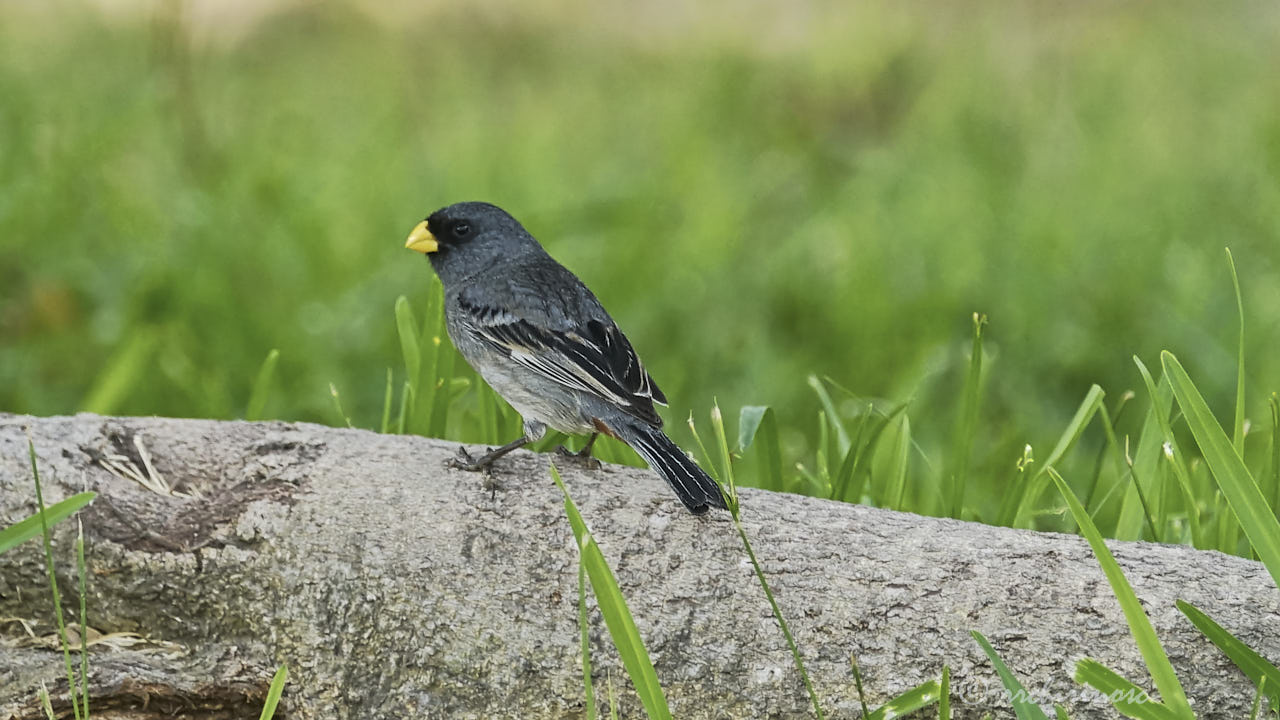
x=393, y=586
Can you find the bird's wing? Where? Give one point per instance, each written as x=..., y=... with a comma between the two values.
x=592, y=357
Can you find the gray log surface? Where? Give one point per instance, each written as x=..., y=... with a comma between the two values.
x=394, y=587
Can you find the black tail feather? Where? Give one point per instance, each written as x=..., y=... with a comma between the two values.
x=694, y=487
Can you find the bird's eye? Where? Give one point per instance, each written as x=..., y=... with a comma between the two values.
x=461, y=230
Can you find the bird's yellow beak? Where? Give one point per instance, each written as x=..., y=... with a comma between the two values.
x=422, y=240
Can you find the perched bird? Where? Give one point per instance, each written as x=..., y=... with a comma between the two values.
x=543, y=342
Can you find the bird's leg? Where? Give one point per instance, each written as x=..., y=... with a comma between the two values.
x=464, y=461
x=584, y=455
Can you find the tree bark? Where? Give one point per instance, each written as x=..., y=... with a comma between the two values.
x=395, y=587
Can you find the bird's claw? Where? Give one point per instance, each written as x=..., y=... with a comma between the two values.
x=464, y=461
x=579, y=458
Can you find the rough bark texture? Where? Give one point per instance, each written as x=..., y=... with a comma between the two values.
x=394, y=587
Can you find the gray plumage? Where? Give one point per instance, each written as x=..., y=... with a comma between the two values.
x=543, y=341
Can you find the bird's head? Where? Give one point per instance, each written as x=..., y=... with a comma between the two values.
x=465, y=239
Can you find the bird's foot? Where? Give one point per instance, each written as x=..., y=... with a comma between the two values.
x=582, y=458
x=464, y=461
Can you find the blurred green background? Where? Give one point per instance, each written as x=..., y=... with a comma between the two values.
x=756, y=193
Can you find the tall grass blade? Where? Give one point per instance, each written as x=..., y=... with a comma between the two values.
x=1144, y=634
x=262, y=386
x=1127, y=698
x=442, y=398
x=1233, y=478
x=45, y=702
x=584, y=632
x=337, y=405
x=729, y=487
x=1237, y=428
x=617, y=616
x=1258, y=669
x=1023, y=707
x=1275, y=453
x=406, y=402
x=895, y=492
x=274, y=691
x=407, y=330
x=1025, y=495
x=857, y=685
x=32, y=526
x=1144, y=464
x=1113, y=448
x=967, y=421
x=1171, y=452
x=613, y=700
x=82, y=574
x=758, y=429
x=824, y=397
x=1257, y=700
x=53, y=577
x=944, y=695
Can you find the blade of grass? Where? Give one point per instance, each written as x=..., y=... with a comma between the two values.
x=857, y=684
x=262, y=386
x=1237, y=428
x=1169, y=451
x=411, y=351
x=729, y=487
x=852, y=470
x=53, y=577
x=1023, y=707
x=966, y=421
x=1253, y=665
x=45, y=702
x=897, y=486
x=82, y=573
x=944, y=695
x=440, y=404
x=1257, y=700
x=1144, y=634
x=432, y=380
x=1127, y=698
x=822, y=459
x=1275, y=453
x=824, y=397
x=1112, y=448
x=758, y=429
x=1233, y=478
x=274, y=691
x=920, y=696
x=1144, y=464
x=584, y=631
x=613, y=700
x=337, y=405
x=32, y=526
x=385, y=426
x=1024, y=495
x=617, y=616
x=844, y=473
x=406, y=402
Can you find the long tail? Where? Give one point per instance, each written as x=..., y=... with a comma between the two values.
x=694, y=487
